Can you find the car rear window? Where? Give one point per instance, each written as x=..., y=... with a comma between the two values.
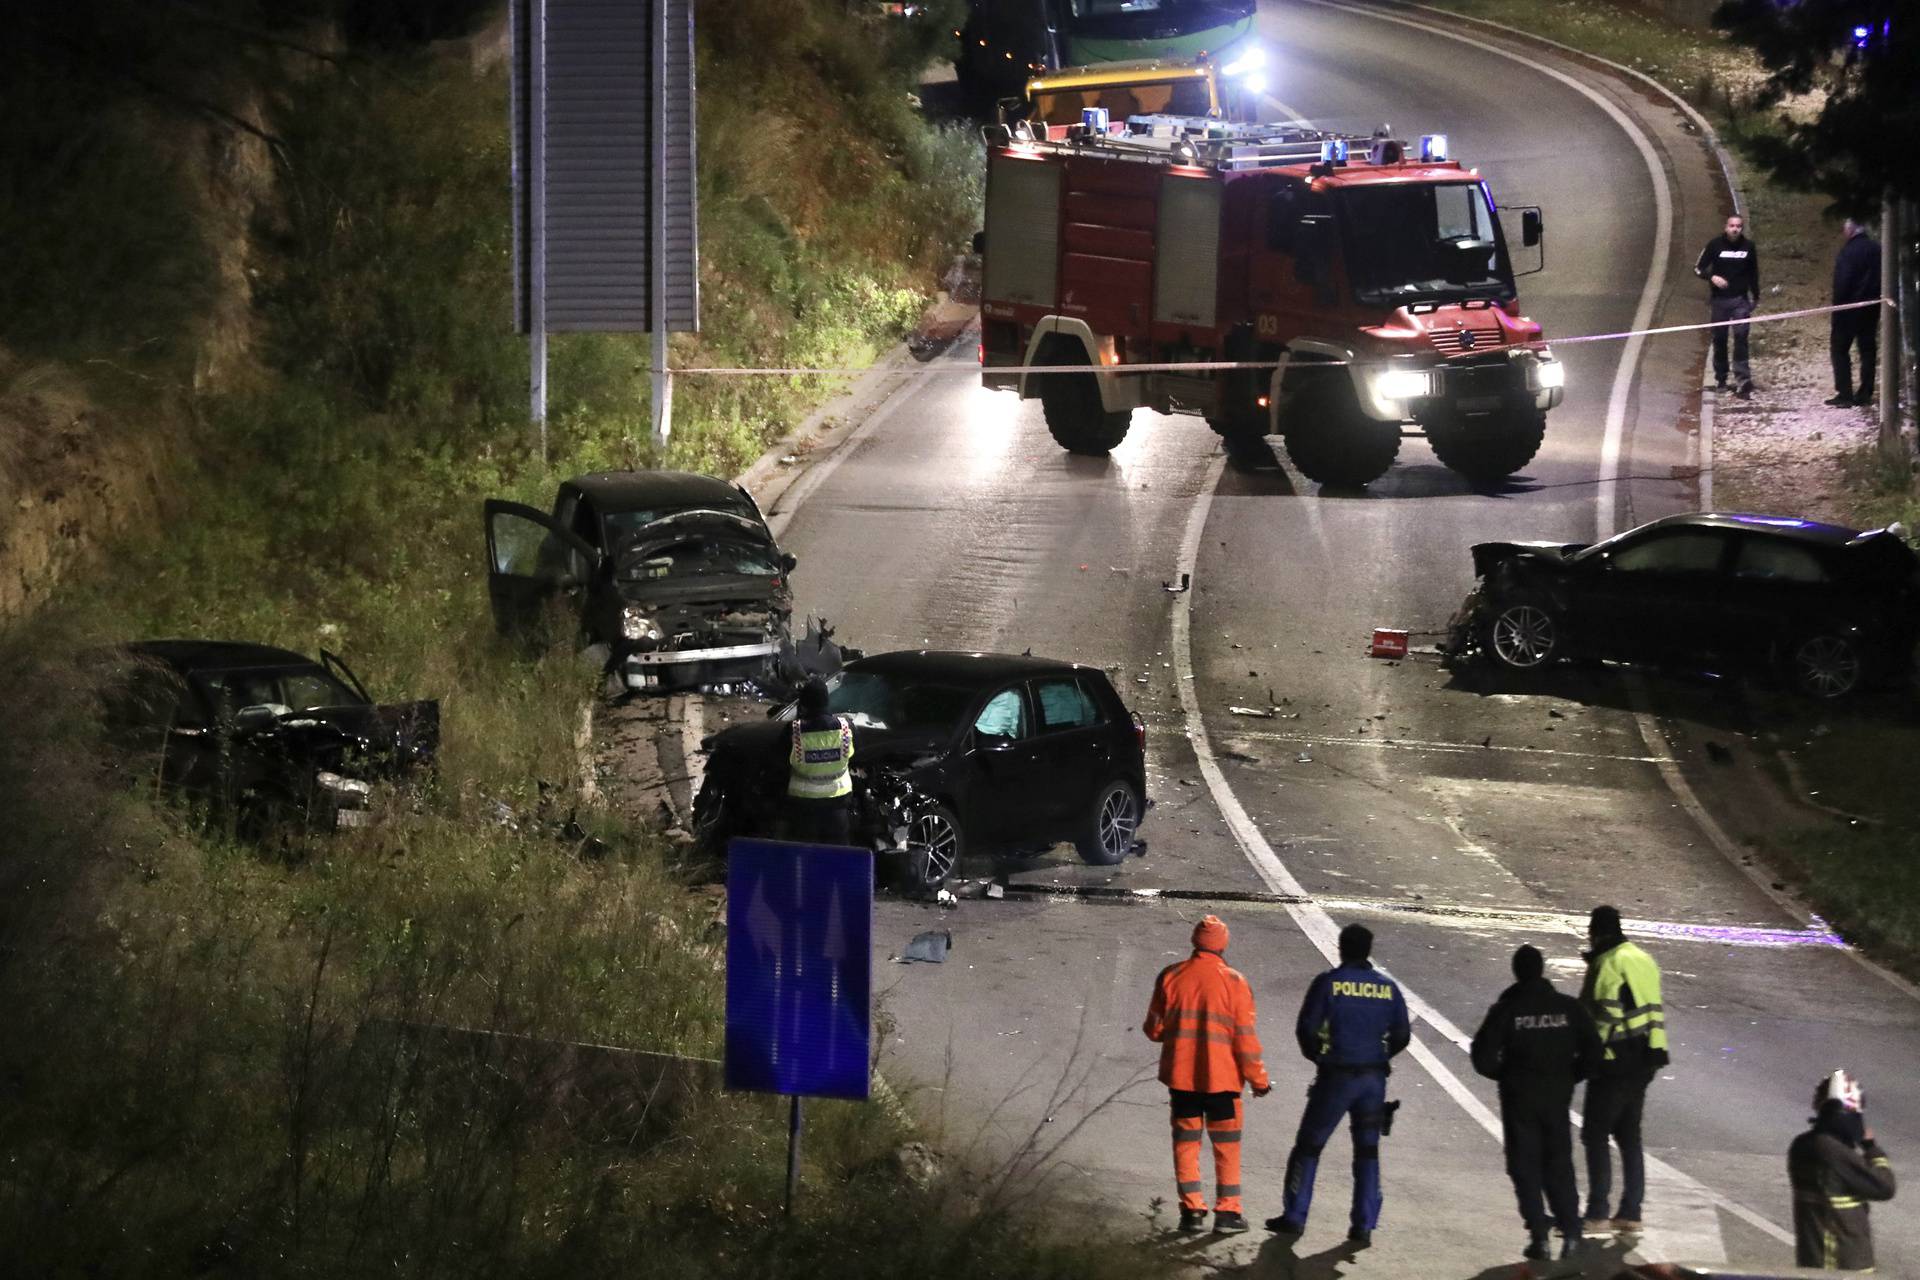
x=1777, y=560
x=1065, y=704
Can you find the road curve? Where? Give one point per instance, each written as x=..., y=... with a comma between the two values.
x=1457, y=822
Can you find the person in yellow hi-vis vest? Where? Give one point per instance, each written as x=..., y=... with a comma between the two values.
x=819, y=770
x=1622, y=993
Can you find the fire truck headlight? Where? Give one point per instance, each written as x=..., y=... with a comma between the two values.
x=1254, y=82
x=1549, y=375
x=1252, y=60
x=1403, y=384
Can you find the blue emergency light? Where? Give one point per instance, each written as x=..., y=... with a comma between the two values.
x=1433, y=146
x=1333, y=151
x=1094, y=119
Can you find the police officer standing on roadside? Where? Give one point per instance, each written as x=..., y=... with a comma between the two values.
x=1730, y=264
x=1836, y=1168
x=1538, y=1043
x=1352, y=1023
x=819, y=770
x=1622, y=993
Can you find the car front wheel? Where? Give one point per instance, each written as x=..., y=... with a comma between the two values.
x=1114, y=818
x=1522, y=635
x=935, y=845
x=1827, y=665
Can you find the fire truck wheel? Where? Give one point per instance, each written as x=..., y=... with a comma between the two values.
x=1239, y=428
x=1076, y=419
x=1487, y=449
x=1331, y=440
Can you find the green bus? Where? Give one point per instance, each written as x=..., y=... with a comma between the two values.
x=1004, y=43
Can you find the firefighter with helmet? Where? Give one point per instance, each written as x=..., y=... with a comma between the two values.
x=819, y=769
x=1836, y=1168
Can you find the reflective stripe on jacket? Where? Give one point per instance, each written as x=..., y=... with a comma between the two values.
x=1832, y=1183
x=1202, y=1017
x=1623, y=995
x=818, y=762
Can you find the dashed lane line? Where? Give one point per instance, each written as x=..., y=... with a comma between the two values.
x=1383, y=743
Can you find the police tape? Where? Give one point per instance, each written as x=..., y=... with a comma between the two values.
x=1214, y=366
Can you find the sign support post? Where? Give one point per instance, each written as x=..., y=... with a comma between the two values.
x=660, y=384
x=794, y=1122
x=537, y=214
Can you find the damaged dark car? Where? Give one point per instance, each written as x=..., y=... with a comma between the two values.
x=260, y=737
x=1827, y=610
x=676, y=574
x=953, y=752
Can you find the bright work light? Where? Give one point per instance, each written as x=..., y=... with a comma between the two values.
x=1252, y=60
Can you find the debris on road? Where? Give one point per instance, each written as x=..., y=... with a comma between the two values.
x=1303, y=758
x=1388, y=642
x=996, y=890
x=1186, y=580
x=930, y=947
x=1255, y=712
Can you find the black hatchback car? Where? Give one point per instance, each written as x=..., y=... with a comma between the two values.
x=261, y=735
x=1014, y=753
x=1828, y=609
x=676, y=573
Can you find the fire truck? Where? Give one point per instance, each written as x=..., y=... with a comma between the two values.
x=1361, y=286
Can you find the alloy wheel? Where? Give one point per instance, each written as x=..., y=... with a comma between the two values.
x=1119, y=819
x=935, y=834
x=1524, y=636
x=1827, y=666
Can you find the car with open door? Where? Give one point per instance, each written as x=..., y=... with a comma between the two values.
x=1829, y=610
x=1001, y=753
x=262, y=737
x=676, y=573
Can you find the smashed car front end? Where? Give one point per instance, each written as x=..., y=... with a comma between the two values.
x=700, y=600
x=1495, y=566
x=340, y=765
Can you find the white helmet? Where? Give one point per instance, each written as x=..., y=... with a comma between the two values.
x=1842, y=1088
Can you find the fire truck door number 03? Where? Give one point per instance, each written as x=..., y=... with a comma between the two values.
x=1267, y=326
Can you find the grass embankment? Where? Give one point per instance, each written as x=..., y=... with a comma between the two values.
x=1864, y=876
x=198, y=1073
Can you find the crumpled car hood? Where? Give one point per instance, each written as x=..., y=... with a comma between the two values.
x=1488, y=554
x=362, y=742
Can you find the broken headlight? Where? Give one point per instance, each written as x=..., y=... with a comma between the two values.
x=636, y=625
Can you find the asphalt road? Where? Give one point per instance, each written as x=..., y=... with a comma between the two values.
x=1457, y=821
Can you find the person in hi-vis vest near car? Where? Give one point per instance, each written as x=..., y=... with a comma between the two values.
x=1202, y=1017
x=819, y=770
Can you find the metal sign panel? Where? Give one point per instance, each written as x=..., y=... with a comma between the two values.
x=1186, y=275
x=605, y=210
x=1023, y=227
x=799, y=937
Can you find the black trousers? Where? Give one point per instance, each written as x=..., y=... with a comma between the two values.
x=818, y=821
x=1539, y=1142
x=1721, y=310
x=1860, y=327
x=1614, y=1104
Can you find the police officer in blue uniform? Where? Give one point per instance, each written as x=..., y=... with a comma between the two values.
x=1352, y=1023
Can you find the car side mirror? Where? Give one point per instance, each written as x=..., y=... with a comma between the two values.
x=260, y=715
x=1532, y=227
x=991, y=742
x=789, y=561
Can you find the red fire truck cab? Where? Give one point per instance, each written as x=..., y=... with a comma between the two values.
x=1369, y=278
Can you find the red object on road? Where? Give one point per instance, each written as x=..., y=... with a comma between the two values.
x=1388, y=643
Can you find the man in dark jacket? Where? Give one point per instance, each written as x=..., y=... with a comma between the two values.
x=1730, y=264
x=1352, y=1023
x=1538, y=1044
x=1835, y=1168
x=1856, y=278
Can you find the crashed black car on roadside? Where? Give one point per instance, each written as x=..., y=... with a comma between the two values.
x=979, y=752
x=262, y=737
x=1826, y=609
x=677, y=574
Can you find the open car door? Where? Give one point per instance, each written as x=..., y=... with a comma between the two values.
x=531, y=561
x=344, y=674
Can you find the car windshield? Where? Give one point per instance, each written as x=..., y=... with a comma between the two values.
x=874, y=701
x=701, y=557
x=1426, y=243
x=298, y=688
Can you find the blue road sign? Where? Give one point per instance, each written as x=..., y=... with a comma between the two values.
x=799, y=937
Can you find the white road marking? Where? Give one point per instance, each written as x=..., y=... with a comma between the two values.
x=1697, y=1238
x=817, y=474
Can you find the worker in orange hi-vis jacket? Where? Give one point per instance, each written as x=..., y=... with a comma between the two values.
x=1202, y=1018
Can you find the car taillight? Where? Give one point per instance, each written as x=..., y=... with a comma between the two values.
x=1140, y=732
